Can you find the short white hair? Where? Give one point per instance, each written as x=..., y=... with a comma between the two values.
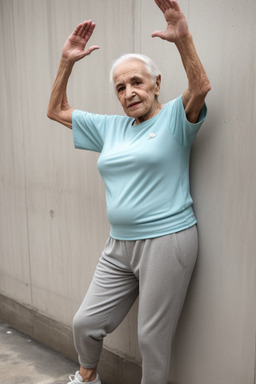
x=150, y=65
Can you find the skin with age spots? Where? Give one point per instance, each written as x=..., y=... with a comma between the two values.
x=136, y=91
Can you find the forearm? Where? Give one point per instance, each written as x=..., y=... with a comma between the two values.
x=58, y=103
x=198, y=82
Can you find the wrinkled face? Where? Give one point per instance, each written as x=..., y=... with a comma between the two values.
x=136, y=91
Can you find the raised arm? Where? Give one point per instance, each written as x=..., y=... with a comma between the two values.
x=73, y=50
x=177, y=32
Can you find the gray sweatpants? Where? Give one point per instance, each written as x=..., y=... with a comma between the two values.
x=157, y=269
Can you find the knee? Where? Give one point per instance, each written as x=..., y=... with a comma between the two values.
x=82, y=323
x=87, y=326
x=79, y=323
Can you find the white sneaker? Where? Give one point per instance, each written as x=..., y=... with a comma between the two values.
x=77, y=379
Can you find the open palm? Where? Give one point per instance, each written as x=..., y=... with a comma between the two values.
x=177, y=27
x=74, y=47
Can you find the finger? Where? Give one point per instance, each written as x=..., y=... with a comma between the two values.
x=89, y=50
x=92, y=48
x=78, y=29
x=85, y=27
x=166, y=4
x=158, y=34
x=174, y=4
x=160, y=4
x=88, y=30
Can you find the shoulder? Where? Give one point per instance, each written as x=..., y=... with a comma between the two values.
x=176, y=106
x=172, y=104
x=96, y=117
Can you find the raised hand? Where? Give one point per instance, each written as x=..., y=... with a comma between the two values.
x=74, y=47
x=177, y=27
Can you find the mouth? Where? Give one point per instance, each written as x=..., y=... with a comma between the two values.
x=134, y=104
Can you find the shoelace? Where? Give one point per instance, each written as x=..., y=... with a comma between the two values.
x=73, y=380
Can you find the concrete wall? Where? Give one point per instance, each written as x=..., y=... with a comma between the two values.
x=52, y=209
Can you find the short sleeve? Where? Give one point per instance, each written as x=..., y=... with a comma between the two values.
x=88, y=130
x=183, y=131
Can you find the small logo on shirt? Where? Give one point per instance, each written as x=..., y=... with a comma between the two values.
x=151, y=135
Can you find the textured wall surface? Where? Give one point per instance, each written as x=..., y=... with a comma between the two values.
x=52, y=208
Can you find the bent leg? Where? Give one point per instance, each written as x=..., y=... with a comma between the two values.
x=166, y=268
x=111, y=294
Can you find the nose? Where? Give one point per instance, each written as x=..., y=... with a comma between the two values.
x=129, y=92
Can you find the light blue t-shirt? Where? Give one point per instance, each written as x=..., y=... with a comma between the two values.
x=145, y=169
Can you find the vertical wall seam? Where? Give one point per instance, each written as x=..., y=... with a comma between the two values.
x=27, y=223
x=23, y=143
x=137, y=26
x=255, y=362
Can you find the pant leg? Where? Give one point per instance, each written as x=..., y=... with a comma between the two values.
x=111, y=294
x=166, y=267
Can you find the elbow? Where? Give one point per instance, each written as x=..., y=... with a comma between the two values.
x=60, y=117
x=199, y=91
x=205, y=88
x=50, y=114
x=200, y=94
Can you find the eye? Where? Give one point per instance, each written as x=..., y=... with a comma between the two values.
x=120, y=89
x=138, y=82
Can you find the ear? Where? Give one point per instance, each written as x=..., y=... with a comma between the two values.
x=158, y=85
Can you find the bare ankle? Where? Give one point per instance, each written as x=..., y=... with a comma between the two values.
x=88, y=374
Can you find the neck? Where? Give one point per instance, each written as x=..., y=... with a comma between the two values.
x=141, y=119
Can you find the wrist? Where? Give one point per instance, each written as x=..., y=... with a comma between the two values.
x=184, y=42
x=66, y=62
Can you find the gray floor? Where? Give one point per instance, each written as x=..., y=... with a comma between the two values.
x=24, y=361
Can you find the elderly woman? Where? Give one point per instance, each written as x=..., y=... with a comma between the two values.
x=144, y=162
